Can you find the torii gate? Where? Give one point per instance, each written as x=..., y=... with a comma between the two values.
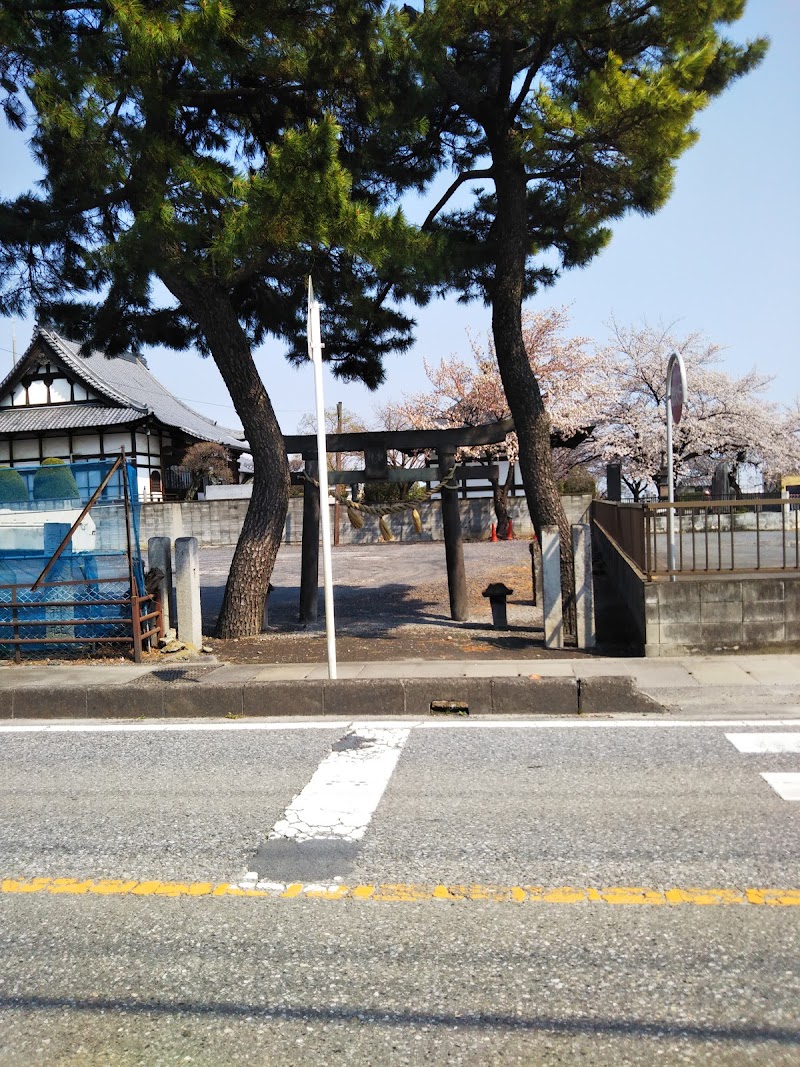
x=375, y=445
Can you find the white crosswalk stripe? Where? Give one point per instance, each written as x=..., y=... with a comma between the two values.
x=765, y=742
x=785, y=783
x=346, y=788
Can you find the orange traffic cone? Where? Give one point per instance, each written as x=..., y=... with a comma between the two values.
x=494, y=533
x=510, y=531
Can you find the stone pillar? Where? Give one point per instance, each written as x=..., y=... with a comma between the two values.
x=536, y=571
x=159, y=557
x=551, y=588
x=187, y=591
x=584, y=589
x=173, y=519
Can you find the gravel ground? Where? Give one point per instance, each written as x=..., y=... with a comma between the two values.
x=391, y=603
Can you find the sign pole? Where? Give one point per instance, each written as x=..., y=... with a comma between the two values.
x=315, y=352
x=676, y=394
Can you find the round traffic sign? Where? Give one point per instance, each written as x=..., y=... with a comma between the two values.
x=676, y=386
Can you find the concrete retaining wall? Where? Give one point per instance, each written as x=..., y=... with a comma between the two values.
x=219, y=522
x=626, y=580
x=756, y=613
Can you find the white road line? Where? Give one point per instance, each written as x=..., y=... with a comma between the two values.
x=168, y=728
x=621, y=723
x=785, y=784
x=765, y=742
x=338, y=724
x=346, y=788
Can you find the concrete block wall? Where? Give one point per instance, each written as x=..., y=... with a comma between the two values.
x=219, y=522
x=753, y=613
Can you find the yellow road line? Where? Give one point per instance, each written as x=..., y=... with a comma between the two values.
x=404, y=893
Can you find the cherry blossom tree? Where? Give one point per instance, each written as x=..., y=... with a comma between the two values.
x=392, y=417
x=336, y=422
x=468, y=391
x=725, y=419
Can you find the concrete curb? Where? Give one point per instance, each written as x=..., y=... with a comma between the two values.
x=604, y=695
x=350, y=698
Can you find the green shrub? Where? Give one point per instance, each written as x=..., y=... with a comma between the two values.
x=55, y=481
x=577, y=482
x=13, y=489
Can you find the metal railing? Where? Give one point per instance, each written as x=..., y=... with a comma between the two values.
x=716, y=536
x=69, y=617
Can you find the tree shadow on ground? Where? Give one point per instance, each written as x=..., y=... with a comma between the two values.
x=358, y=608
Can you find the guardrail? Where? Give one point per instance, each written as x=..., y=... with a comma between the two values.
x=716, y=536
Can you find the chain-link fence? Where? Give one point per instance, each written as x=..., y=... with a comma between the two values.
x=71, y=572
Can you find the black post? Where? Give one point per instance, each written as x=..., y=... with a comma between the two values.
x=309, y=564
x=453, y=545
x=614, y=481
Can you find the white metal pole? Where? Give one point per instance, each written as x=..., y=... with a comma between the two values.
x=676, y=398
x=670, y=486
x=315, y=351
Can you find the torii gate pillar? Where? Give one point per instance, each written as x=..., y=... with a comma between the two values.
x=453, y=545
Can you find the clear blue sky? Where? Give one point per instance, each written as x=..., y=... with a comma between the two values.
x=721, y=257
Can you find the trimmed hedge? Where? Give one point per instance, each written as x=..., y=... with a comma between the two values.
x=55, y=481
x=13, y=489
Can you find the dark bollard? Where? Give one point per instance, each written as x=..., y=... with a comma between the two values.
x=497, y=593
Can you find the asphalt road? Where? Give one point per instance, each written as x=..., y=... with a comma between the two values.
x=532, y=950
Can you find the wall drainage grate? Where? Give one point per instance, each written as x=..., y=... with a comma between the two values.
x=449, y=707
x=176, y=674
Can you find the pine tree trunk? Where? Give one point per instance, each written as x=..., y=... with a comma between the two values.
x=262, y=532
x=522, y=391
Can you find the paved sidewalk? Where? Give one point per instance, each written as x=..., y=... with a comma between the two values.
x=702, y=685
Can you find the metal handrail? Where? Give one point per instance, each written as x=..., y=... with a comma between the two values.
x=706, y=543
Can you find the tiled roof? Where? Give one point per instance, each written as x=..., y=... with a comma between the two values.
x=64, y=417
x=126, y=381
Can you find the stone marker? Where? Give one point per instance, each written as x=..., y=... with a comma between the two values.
x=551, y=588
x=584, y=590
x=187, y=591
x=536, y=570
x=159, y=558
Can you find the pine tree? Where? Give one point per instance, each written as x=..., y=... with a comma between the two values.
x=571, y=114
x=226, y=150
